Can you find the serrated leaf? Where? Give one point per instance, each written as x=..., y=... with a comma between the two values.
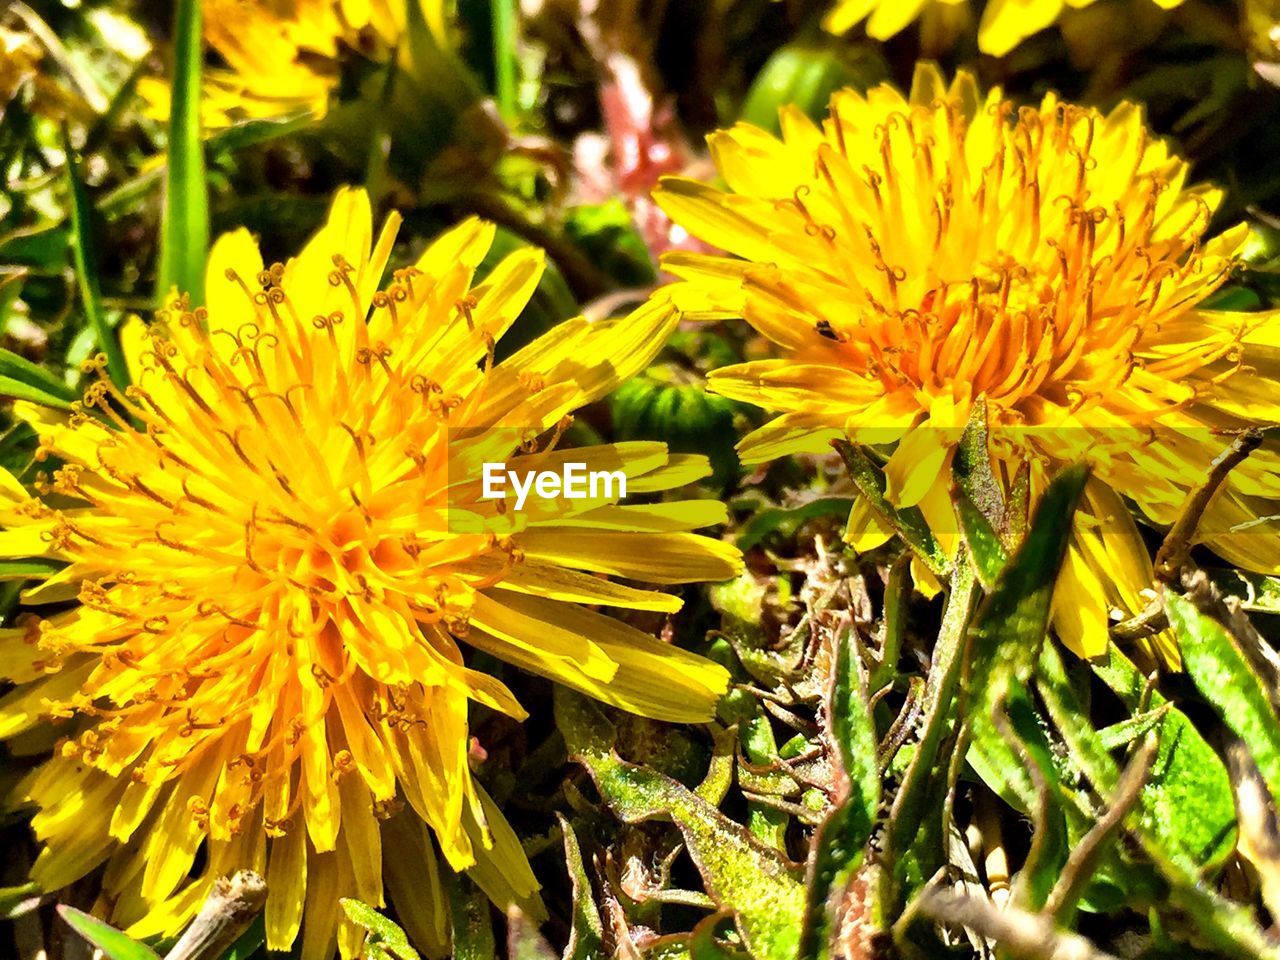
x=839, y=843
x=1222, y=673
x=382, y=932
x=1125, y=732
x=760, y=748
x=988, y=553
x=1049, y=844
x=919, y=782
x=1187, y=803
x=1187, y=809
x=586, y=934
x=897, y=596
x=740, y=873
x=114, y=944
x=1186, y=806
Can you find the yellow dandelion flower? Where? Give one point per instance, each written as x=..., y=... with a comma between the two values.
x=1004, y=23
x=914, y=254
x=283, y=56
x=277, y=538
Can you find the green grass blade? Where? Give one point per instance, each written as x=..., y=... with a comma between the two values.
x=35, y=376
x=82, y=251
x=114, y=944
x=504, y=20
x=184, y=227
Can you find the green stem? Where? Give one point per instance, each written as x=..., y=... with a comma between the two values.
x=184, y=231
x=504, y=23
x=87, y=267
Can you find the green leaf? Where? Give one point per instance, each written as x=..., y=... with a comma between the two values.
x=1049, y=844
x=740, y=873
x=854, y=732
x=1187, y=808
x=971, y=469
x=1008, y=632
x=114, y=944
x=1187, y=803
x=184, y=226
x=1221, y=671
x=840, y=841
x=1187, y=817
x=15, y=901
x=988, y=553
x=1012, y=622
x=472, y=923
x=20, y=390
x=43, y=247
x=979, y=499
x=82, y=248
x=586, y=935
x=250, y=941
x=12, y=279
x=29, y=568
x=897, y=597
x=761, y=748
x=1125, y=732
x=908, y=522
x=15, y=367
x=918, y=781
x=785, y=521
x=382, y=932
x=703, y=944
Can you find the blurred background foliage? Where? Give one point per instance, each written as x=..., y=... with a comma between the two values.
x=830, y=812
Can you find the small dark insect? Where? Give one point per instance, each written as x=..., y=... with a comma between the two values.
x=826, y=330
